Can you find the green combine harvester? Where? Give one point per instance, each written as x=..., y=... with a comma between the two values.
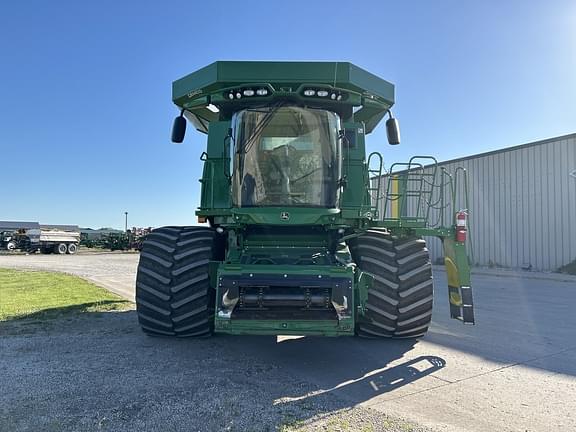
x=307, y=234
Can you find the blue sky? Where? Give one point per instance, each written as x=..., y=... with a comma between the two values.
x=85, y=88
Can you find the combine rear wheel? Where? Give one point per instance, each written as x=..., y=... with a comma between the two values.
x=173, y=294
x=400, y=301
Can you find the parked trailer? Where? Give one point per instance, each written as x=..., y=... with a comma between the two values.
x=32, y=237
x=58, y=241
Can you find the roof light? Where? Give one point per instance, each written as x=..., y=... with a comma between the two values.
x=213, y=108
x=322, y=93
x=339, y=97
x=333, y=96
x=238, y=95
x=248, y=92
x=231, y=95
x=309, y=92
x=262, y=92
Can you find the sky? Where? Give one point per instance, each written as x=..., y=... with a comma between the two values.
x=85, y=88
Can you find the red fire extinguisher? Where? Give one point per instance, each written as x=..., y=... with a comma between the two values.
x=461, y=225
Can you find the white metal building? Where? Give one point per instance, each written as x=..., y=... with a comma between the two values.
x=522, y=204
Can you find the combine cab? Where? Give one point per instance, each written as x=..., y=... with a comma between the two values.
x=307, y=235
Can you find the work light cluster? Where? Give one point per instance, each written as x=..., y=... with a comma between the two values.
x=238, y=94
x=310, y=92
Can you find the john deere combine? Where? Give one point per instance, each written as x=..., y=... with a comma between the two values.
x=307, y=235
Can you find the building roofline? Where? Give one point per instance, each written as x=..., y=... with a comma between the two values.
x=507, y=149
x=492, y=152
x=13, y=225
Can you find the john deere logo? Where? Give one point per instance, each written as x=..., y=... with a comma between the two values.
x=284, y=215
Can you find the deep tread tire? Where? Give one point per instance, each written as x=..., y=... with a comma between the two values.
x=173, y=294
x=400, y=301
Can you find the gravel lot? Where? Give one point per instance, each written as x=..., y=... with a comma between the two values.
x=99, y=372
x=514, y=371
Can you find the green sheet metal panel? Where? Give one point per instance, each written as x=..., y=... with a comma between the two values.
x=373, y=94
x=223, y=74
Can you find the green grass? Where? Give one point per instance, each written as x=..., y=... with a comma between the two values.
x=569, y=268
x=44, y=295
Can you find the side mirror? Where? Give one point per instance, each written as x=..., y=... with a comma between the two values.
x=393, y=131
x=179, y=129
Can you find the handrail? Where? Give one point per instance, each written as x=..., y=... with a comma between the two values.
x=374, y=173
x=420, y=191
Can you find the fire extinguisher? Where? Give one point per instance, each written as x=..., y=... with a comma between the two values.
x=461, y=225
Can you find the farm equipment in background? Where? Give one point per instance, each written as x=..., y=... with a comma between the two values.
x=90, y=238
x=86, y=241
x=137, y=236
x=298, y=243
x=115, y=240
x=60, y=239
x=14, y=240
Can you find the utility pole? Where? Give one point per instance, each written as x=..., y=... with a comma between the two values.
x=126, y=222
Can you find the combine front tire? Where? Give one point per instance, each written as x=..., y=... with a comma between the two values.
x=400, y=301
x=173, y=294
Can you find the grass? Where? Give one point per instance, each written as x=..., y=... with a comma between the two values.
x=336, y=421
x=46, y=295
x=569, y=268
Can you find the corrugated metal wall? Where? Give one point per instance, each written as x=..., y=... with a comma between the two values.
x=522, y=205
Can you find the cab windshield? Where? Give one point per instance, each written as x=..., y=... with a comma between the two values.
x=286, y=156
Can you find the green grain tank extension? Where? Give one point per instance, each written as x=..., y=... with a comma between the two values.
x=307, y=235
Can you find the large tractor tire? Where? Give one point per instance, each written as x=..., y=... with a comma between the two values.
x=400, y=301
x=173, y=294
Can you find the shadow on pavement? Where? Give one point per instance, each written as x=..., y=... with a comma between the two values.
x=353, y=369
x=50, y=316
x=527, y=321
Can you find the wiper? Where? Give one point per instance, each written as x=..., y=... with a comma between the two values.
x=249, y=142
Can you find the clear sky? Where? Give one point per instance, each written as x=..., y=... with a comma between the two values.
x=85, y=88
